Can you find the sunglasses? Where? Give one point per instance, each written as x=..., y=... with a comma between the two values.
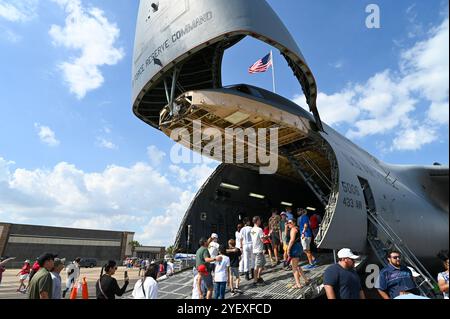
x=396, y=257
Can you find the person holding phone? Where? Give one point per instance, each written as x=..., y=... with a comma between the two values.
x=107, y=286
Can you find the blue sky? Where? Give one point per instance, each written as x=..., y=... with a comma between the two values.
x=73, y=154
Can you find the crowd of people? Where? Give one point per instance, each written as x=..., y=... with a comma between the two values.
x=219, y=266
x=43, y=277
x=283, y=237
x=395, y=281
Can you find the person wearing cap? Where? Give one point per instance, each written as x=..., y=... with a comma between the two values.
x=56, y=278
x=41, y=285
x=394, y=277
x=202, y=274
x=24, y=273
x=213, y=246
x=202, y=257
x=73, y=274
x=341, y=281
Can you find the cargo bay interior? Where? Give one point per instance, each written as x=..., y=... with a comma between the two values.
x=233, y=193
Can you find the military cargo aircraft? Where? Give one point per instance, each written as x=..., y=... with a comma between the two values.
x=368, y=205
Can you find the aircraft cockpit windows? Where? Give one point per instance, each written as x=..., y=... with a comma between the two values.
x=247, y=90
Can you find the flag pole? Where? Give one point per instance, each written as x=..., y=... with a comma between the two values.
x=273, y=71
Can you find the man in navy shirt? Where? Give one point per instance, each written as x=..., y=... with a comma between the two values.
x=341, y=281
x=394, y=277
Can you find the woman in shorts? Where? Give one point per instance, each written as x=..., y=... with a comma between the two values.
x=23, y=274
x=294, y=252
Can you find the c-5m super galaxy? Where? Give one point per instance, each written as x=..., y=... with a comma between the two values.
x=368, y=205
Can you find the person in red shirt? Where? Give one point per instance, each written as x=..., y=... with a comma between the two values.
x=34, y=270
x=24, y=273
x=267, y=243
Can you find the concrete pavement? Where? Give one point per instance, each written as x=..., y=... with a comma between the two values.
x=10, y=281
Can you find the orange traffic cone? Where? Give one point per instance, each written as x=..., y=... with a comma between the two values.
x=84, y=289
x=74, y=293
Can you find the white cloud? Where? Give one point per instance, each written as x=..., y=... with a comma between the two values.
x=388, y=103
x=336, y=108
x=10, y=36
x=155, y=155
x=117, y=198
x=412, y=139
x=89, y=31
x=385, y=103
x=104, y=143
x=197, y=175
x=46, y=135
x=19, y=10
x=439, y=112
x=162, y=229
x=337, y=65
x=4, y=169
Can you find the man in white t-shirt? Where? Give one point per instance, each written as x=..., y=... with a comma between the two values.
x=147, y=288
x=247, y=248
x=221, y=274
x=238, y=246
x=170, y=268
x=258, y=236
x=213, y=246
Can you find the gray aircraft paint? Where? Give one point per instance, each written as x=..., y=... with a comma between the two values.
x=418, y=215
x=419, y=221
x=180, y=28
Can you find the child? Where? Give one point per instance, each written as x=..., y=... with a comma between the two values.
x=24, y=274
x=198, y=278
x=234, y=254
x=221, y=274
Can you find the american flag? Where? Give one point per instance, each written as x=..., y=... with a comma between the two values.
x=261, y=65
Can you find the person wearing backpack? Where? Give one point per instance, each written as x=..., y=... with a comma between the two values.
x=107, y=286
x=147, y=288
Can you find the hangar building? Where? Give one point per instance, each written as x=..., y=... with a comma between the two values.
x=28, y=242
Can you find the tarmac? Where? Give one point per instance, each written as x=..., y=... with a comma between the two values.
x=10, y=283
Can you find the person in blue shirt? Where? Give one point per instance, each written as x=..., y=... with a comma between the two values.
x=289, y=214
x=395, y=278
x=341, y=281
x=306, y=235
